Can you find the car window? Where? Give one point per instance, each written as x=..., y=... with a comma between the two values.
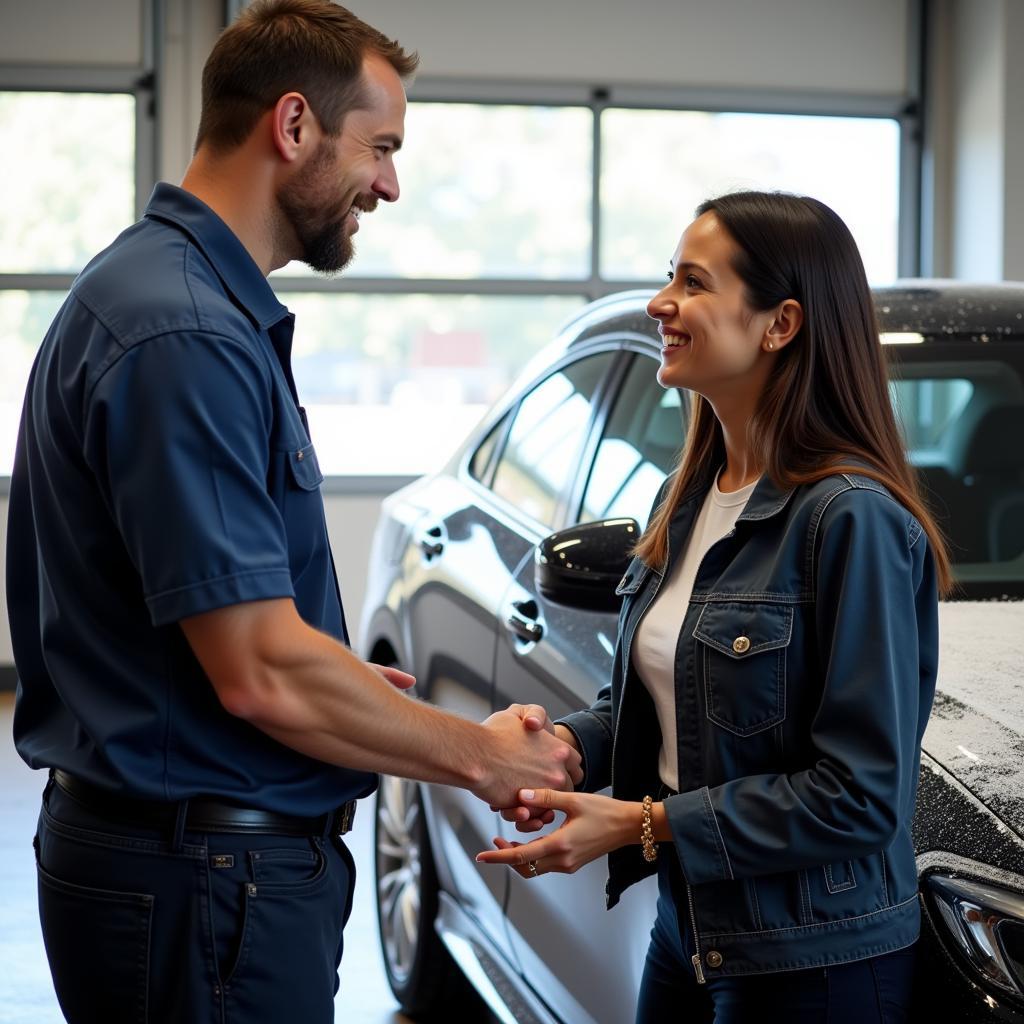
x=638, y=448
x=963, y=420
x=543, y=448
x=481, y=460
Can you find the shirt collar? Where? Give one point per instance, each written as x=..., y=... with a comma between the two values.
x=222, y=247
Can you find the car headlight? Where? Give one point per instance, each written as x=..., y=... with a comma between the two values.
x=985, y=922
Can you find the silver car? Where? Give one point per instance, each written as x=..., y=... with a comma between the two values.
x=585, y=435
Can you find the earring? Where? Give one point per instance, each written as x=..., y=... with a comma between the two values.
x=770, y=345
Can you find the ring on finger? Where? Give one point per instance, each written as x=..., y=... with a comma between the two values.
x=532, y=865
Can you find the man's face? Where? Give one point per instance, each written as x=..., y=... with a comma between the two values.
x=348, y=175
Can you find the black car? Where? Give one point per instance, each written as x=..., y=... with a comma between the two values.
x=587, y=435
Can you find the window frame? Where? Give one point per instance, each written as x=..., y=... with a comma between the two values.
x=904, y=109
x=138, y=82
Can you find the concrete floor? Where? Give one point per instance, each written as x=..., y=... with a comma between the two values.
x=26, y=994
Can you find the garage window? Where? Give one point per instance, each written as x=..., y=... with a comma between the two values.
x=68, y=183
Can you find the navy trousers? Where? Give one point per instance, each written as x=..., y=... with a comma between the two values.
x=194, y=928
x=876, y=990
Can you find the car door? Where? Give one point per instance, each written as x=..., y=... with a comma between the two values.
x=477, y=528
x=586, y=964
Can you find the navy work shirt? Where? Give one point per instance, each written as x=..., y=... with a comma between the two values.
x=163, y=469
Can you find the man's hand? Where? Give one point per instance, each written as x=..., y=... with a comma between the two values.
x=533, y=819
x=523, y=746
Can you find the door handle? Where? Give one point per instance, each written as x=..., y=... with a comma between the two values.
x=522, y=620
x=430, y=542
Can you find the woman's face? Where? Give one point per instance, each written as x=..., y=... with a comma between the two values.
x=712, y=341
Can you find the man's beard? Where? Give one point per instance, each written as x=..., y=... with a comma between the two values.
x=324, y=244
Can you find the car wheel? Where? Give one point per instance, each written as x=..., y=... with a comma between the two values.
x=422, y=975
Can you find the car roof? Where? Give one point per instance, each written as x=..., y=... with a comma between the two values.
x=938, y=310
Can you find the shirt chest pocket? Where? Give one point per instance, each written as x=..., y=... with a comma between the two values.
x=302, y=508
x=741, y=656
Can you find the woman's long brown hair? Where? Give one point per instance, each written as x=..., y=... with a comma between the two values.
x=827, y=400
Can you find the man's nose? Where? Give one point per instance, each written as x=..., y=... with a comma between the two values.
x=386, y=185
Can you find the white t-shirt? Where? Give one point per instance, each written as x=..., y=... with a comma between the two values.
x=656, y=639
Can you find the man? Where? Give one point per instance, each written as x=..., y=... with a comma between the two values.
x=178, y=629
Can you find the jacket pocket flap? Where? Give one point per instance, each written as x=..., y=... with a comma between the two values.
x=742, y=628
x=305, y=468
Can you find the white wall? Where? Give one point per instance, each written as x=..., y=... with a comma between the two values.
x=83, y=32
x=832, y=45
x=975, y=164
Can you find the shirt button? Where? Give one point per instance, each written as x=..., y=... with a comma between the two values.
x=741, y=644
x=714, y=958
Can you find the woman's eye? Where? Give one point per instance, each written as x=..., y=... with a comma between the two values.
x=692, y=282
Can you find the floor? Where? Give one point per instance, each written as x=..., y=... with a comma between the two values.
x=26, y=995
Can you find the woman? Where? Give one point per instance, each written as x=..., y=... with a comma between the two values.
x=777, y=648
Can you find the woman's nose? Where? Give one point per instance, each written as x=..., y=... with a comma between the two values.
x=660, y=307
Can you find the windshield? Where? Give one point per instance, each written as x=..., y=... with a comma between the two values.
x=961, y=406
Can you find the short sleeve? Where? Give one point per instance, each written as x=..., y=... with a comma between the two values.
x=177, y=433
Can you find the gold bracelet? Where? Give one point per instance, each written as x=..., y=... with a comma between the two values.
x=647, y=831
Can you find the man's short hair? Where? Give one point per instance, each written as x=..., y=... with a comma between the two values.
x=314, y=47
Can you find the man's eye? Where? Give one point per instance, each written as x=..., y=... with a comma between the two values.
x=692, y=282
x=671, y=276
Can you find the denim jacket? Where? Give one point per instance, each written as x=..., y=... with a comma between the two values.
x=804, y=675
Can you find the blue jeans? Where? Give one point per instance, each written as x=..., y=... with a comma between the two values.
x=203, y=928
x=872, y=991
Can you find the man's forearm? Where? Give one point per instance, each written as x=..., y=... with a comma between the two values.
x=312, y=694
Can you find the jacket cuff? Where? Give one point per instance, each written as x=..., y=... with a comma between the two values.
x=593, y=740
x=697, y=837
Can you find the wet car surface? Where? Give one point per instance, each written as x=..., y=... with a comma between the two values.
x=586, y=434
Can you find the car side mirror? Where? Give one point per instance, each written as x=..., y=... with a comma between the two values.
x=582, y=565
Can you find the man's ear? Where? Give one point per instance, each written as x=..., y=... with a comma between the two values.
x=292, y=126
x=786, y=322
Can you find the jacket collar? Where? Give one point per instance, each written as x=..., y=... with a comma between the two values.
x=222, y=247
x=766, y=500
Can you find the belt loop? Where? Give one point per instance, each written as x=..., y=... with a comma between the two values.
x=179, y=826
x=46, y=789
x=328, y=830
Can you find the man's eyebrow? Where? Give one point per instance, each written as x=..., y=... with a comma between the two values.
x=392, y=140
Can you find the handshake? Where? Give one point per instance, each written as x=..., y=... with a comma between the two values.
x=525, y=749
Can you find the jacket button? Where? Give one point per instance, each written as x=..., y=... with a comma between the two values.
x=299, y=456
x=714, y=958
x=741, y=644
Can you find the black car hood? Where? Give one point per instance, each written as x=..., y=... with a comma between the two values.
x=976, y=731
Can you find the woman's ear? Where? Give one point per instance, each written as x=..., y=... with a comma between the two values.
x=784, y=325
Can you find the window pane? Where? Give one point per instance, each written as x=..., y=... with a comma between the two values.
x=638, y=450
x=392, y=384
x=486, y=191
x=927, y=407
x=658, y=165
x=963, y=418
x=481, y=461
x=24, y=320
x=68, y=178
x=542, y=451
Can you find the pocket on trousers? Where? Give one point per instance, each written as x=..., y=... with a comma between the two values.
x=286, y=967
x=741, y=650
x=97, y=942
x=286, y=866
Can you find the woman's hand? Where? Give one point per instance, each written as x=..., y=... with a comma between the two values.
x=593, y=826
x=395, y=676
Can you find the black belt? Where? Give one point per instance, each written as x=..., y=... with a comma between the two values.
x=203, y=814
